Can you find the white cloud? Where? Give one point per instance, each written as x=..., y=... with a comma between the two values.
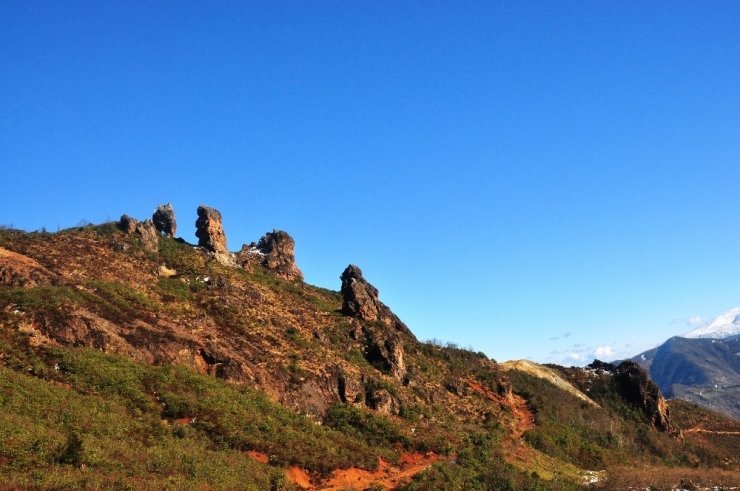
x=694, y=321
x=604, y=352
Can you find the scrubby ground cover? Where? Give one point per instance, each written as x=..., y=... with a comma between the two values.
x=162, y=414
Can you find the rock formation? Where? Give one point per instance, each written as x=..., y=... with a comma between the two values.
x=637, y=389
x=164, y=220
x=275, y=251
x=145, y=230
x=210, y=231
x=360, y=299
x=381, y=401
x=386, y=353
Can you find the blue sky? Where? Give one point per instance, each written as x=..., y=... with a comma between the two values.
x=543, y=180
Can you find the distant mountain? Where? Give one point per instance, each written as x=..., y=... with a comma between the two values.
x=723, y=326
x=701, y=370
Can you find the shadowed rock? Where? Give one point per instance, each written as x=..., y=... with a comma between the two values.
x=164, y=220
x=385, y=352
x=210, y=231
x=634, y=386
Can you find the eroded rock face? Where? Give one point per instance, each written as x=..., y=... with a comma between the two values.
x=128, y=224
x=636, y=388
x=145, y=230
x=381, y=401
x=278, y=249
x=386, y=353
x=210, y=231
x=360, y=299
x=164, y=220
x=274, y=251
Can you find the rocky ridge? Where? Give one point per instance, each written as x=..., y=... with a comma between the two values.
x=340, y=358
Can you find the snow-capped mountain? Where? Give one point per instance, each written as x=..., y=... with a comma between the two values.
x=723, y=326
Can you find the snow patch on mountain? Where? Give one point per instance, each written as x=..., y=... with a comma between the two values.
x=723, y=326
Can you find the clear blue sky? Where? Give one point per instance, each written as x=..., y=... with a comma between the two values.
x=538, y=180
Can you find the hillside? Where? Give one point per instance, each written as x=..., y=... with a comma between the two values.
x=131, y=359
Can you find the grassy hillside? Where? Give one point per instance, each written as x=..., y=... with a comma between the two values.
x=127, y=368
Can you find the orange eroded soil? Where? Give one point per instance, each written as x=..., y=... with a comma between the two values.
x=387, y=476
x=515, y=450
x=299, y=477
x=259, y=456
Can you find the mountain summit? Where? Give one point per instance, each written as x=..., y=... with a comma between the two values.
x=723, y=326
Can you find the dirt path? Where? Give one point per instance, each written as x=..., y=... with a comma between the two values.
x=715, y=432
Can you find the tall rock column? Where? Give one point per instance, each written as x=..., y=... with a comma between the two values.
x=210, y=230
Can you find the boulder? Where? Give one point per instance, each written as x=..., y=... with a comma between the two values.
x=360, y=299
x=164, y=220
x=210, y=231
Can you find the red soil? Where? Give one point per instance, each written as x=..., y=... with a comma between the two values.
x=387, y=475
x=299, y=477
x=259, y=456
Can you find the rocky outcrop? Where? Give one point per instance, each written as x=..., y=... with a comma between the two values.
x=635, y=387
x=381, y=401
x=360, y=299
x=146, y=232
x=275, y=251
x=385, y=352
x=210, y=231
x=279, y=254
x=164, y=220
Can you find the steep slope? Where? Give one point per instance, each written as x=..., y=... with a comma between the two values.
x=131, y=359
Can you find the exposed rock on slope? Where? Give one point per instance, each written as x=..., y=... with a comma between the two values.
x=275, y=251
x=164, y=220
x=360, y=299
x=145, y=231
x=385, y=350
x=636, y=388
x=210, y=230
x=632, y=384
